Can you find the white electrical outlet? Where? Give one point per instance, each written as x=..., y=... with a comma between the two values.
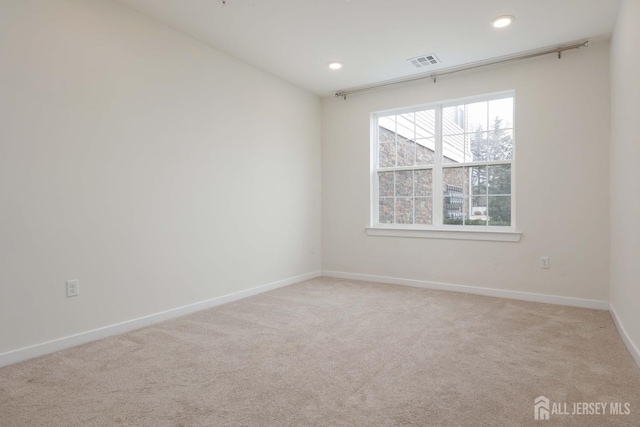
x=544, y=262
x=73, y=288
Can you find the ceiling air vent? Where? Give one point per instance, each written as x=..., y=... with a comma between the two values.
x=424, y=60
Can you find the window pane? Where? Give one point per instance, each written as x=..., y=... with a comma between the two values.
x=478, y=176
x=478, y=214
x=501, y=113
x=477, y=142
x=385, y=211
x=424, y=210
x=404, y=210
x=453, y=186
x=477, y=115
x=406, y=152
x=385, y=184
x=453, y=120
x=423, y=182
x=454, y=208
x=404, y=183
x=499, y=179
x=386, y=130
x=425, y=151
x=425, y=123
x=454, y=177
x=500, y=145
x=453, y=149
x=387, y=154
x=387, y=141
x=500, y=210
x=406, y=127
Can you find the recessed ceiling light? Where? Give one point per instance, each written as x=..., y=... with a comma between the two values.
x=502, y=21
x=335, y=65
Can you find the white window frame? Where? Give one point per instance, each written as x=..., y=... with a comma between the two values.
x=437, y=229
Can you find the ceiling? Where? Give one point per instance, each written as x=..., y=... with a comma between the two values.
x=295, y=39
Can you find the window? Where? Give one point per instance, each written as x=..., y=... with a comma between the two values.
x=445, y=166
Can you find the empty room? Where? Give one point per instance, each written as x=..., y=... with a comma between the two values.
x=319, y=213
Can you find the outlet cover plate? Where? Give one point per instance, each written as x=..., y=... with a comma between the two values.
x=544, y=262
x=73, y=288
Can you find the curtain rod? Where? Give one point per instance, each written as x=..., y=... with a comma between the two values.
x=471, y=66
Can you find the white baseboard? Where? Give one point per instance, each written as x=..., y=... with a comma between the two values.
x=41, y=349
x=631, y=346
x=499, y=293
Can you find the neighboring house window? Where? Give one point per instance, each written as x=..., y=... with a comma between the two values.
x=446, y=165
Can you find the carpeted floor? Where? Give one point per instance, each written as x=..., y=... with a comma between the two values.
x=331, y=352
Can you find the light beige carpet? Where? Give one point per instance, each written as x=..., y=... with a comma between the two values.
x=330, y=352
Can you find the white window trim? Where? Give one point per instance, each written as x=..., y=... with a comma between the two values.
x=439, y=231
x=447, y=233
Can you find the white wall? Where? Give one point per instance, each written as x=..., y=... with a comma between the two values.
x=156, y=170
x=562, y=121
x=625, y=173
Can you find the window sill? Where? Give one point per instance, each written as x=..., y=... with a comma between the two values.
x=486, y=235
